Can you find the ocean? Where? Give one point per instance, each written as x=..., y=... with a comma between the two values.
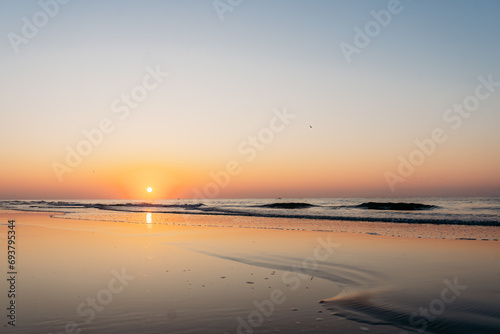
x=449, y=211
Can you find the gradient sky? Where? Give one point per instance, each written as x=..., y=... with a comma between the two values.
x=353, y=120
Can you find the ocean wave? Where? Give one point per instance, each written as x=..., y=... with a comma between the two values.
x=226, y=212
x=400, y=206
x=289, y=205
x=71, y=205
x=149, y=205
x=410, y=213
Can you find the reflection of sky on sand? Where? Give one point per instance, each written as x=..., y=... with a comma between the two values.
x=200, y=277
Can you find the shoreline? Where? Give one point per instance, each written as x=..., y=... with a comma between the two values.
x=399, y=230
x=402, y=230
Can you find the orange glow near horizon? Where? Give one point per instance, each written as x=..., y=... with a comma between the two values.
x=259, y=179
x=269, y=175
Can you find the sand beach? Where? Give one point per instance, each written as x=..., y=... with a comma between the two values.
x=83, y=276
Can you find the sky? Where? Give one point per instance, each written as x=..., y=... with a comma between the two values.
x=249, y=99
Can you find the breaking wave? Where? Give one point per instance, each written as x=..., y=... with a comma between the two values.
x=448, y=212
x=395, y=206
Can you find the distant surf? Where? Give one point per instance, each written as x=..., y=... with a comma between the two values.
x=465, y=211
x=395, y=206
x=290, y=205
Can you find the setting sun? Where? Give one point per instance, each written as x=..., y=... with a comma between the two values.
x=149, y=189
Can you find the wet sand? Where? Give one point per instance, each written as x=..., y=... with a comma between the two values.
x=170, y=275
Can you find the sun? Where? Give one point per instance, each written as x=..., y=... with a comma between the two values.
x=149, y=189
